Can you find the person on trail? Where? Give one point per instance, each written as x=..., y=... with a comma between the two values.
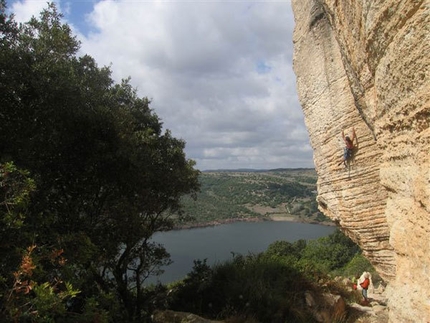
x=365, y=285
x=349, y=147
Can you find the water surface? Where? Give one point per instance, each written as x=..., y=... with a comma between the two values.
x=217, y=243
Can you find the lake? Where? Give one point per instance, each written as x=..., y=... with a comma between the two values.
x=217, y=243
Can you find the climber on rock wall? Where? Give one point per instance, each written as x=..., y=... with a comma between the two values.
x=348, y=151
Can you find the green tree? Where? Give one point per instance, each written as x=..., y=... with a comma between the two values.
x=24, y=293
x=107, y=176
x=254, y=288
x=358, y=265
x=331, y=252
x=16, y=186
x=285, y=248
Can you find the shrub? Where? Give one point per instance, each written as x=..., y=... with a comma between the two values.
x=270, y=286
x=263, y=287
x=357, y=265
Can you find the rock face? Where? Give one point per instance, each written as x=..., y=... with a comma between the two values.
x=366, y=64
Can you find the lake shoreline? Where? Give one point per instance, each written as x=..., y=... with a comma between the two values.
x=250, y=219
x=220, y=243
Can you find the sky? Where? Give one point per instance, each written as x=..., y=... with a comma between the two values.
x=218, y=72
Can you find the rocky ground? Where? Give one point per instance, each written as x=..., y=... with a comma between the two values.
x=376, y=311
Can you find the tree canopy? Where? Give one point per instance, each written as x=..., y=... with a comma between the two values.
x=96, y=170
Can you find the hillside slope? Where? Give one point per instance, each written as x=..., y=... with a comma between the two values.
x=288, y=194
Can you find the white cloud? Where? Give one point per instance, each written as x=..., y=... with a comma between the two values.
x=25, y=9
x=218, y=72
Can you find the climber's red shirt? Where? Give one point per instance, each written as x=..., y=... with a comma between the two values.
x=365, y=283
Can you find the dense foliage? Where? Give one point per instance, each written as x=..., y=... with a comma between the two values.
x=227, y=195
x=84, y=168
x=270, y=286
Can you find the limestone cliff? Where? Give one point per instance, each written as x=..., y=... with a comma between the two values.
x=366, y=64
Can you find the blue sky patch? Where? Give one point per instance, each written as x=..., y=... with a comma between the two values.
x=75, y=12
x=263, y=68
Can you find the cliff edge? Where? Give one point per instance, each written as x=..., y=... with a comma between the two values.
x=366, y=64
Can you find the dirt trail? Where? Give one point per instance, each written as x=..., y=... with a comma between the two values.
x=376, y=311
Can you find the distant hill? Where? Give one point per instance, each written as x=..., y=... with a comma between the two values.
x=251, y=195
x=252, y=170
